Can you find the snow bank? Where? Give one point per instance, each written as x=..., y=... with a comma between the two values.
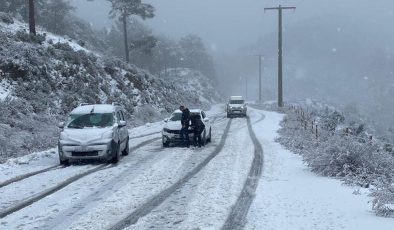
x=289, y=196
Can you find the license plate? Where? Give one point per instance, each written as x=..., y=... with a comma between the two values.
x=82, y=149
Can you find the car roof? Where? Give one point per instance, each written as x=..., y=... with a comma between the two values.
x=191, y=110
x=97, y=108
x=236, y=98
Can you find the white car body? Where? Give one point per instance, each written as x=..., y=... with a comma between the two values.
x=172, y=128
x=236, y=107
x=105, y=142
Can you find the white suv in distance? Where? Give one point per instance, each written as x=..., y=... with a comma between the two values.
x=236, y=107
x=172, y=128
x=96, y=131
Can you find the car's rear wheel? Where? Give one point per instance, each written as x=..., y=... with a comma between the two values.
x=114, y=152
x=126, y=150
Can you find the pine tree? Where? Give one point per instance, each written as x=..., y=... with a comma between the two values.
x=32, y=20
x=53, y=15
x=122, y=9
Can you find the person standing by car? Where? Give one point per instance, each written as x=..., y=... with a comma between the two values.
x=198, y=127
x=185, y=121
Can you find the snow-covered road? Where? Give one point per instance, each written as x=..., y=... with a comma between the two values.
x=180, y=188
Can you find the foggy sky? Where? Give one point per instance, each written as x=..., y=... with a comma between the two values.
x=227, y=25
x=335, y=50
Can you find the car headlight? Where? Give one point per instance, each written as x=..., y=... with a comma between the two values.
x=63, y=136
x=107, y=135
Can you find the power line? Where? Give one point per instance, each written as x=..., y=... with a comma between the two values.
x=280, y=52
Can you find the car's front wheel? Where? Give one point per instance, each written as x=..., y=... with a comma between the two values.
x=126, y=150
x=64, y=162
x=210, y=135
x=204, y=139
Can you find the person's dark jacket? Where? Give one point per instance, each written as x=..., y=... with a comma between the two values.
x=197, y=124
x=185, y=120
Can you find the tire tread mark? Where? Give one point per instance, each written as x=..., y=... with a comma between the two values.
x=144, y=143
x=144, y=135
x=158, y=199
x=39, y=196
x=237, y=217
x=27, y=175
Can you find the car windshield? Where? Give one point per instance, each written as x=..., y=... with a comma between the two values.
x=236, y=101
x=176, y=117
x=80, y=121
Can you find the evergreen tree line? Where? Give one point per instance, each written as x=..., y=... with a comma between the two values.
x=128, y=38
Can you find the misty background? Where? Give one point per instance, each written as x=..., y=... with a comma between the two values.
x=338, y=52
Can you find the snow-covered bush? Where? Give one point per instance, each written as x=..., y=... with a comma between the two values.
x=6, y=18
x=351, y=155
x=383, y=203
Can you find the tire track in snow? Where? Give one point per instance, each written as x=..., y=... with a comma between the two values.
x=158, y=199
x=144, y=135
x=239, y=211
x=47, y=192
x=71, y=213
x=27, y=175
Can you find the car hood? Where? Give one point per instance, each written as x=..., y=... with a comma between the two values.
x=85, y=135
x=236, y=105
x=173, y=125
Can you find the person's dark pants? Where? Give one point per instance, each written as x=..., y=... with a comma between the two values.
x=197, y=138
x=185, y=136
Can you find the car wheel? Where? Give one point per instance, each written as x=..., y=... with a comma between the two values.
x=64, y=162
x=126, y=150
x=114, y=152
x=166, y=144
x=204, y=139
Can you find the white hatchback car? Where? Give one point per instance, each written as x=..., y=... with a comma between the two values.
x=94, y=132
x=172, y=128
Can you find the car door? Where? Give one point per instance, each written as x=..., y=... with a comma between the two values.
x=124, y=131
x=206, y=122
x=120, y=130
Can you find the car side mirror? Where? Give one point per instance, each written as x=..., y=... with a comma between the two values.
x=122, y=123
x=206, y=119
x=60, y=125
x=166, y=120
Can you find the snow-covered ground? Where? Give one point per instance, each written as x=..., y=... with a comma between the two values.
x=50, y=37
x=289, y=196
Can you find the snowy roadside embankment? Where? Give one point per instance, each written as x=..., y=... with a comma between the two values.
x=341, y=149
x=289, y=196
x=47, y=75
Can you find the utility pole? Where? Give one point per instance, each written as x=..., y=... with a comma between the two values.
x=280, y=63
x=260, y=57
x=126, y=42
x=246, y=88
